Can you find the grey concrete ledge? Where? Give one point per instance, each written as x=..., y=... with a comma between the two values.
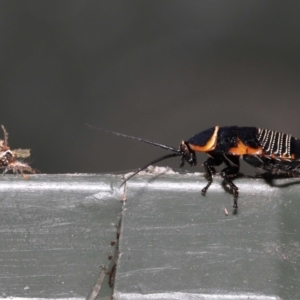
x=56, y=232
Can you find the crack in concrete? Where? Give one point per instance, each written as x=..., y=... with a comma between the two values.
x=106, y=271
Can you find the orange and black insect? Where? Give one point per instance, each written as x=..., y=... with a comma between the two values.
x=271, y=151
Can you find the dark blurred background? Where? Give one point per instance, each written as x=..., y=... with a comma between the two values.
x=162, y=70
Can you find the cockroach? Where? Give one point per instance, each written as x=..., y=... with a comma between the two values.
x=9, y=159
x=268, y=150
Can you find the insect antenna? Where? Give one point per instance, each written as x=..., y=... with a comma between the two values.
x=177, y=152
x=151, y=163
x=137, y=139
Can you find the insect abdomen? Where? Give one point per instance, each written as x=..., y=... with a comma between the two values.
x=295, y=148
x=277, y=144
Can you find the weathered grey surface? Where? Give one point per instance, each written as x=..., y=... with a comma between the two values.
x=56, y=232
x=177, y=244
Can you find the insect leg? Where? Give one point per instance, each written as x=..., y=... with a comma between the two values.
x=210, y=170
x=296, y=171
x=280, y=167
x=291, y=167
x=229, y=173
x=261, y=162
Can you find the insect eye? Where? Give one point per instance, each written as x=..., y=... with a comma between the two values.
x=187, y=154
x=184, y=148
